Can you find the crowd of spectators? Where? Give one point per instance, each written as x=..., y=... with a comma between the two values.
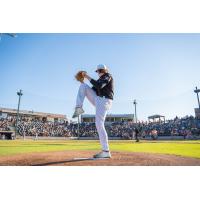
x=6, y=124
x=187, y=127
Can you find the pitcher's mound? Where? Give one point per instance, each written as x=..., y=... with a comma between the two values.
x=84, y=158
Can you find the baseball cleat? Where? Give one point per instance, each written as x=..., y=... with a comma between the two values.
x=78, y=111
x=103, y=154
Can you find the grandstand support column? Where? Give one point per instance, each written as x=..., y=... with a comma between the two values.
x=135, y=104
x=197, y=91
x=19, y=101
x=78, y=125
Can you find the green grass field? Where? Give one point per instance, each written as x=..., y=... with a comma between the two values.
x=182, y=148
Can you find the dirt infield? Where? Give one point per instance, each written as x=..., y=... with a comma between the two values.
x=84, y=158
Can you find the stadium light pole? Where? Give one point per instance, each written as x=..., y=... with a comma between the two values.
x=197, y=91
x=135, y=104
x=19, y=101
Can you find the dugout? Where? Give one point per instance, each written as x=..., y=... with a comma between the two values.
x=7, y=135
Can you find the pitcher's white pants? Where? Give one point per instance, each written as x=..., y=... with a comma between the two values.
x=102, y=106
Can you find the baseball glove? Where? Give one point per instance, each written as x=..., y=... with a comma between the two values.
x=80, y=76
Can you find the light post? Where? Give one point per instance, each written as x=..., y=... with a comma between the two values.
x=19, y=101
x=135, y=104
x=197, y=91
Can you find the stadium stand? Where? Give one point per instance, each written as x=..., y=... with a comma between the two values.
x=186, y=127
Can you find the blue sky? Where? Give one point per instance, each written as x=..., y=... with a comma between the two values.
x=159, y=70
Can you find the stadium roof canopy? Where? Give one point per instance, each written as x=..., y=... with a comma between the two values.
x=109, y=115
x=155, y=116
x=32, y=113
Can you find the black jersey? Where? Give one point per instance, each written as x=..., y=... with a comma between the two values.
x=104, y=86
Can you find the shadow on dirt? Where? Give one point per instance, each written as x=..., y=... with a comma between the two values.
x=65, y=161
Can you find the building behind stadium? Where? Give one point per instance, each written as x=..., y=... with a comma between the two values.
x=110, y=118
x=50, y=117
x=42, y=116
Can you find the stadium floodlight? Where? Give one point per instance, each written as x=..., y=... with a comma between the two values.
x=16, y=129
x=135, y=104
x=197, y=91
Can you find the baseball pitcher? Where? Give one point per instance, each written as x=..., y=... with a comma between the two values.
x=101, y=97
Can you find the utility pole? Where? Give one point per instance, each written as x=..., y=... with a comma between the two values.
x=135, y=104
x=19, y=100
x=197, y=91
